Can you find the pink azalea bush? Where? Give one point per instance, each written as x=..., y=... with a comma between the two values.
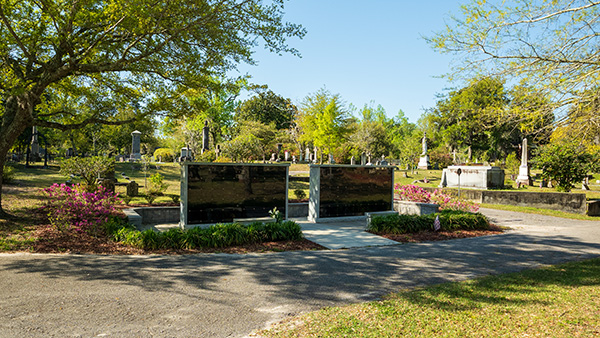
x=73, y=208
x=415, y=193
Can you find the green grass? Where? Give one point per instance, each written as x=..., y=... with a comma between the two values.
x=540, y=211
x=434, y=177
x=557, y=301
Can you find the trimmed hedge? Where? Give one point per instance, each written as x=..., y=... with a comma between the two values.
x=216, y=236
x=450, y=220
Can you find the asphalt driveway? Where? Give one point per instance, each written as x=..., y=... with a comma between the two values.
x=224, y=295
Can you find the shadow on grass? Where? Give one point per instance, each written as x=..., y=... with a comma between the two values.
x=510, y=289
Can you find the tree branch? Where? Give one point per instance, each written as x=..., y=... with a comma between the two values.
x=12, y=32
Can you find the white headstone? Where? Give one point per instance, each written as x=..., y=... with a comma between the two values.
x=523, y=177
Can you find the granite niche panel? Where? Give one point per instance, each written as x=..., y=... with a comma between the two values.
x=352, y=191
x=219, y=193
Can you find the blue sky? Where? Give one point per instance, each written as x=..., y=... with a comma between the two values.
x=363, y=50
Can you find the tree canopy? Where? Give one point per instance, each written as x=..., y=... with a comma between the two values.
x=267, y=107
x=323, y=120
x=66, y=64
x=552, y=45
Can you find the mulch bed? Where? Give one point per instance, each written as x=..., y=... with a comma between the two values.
x=50, y=240
x=430, y=236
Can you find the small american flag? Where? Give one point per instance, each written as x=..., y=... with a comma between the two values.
x=436, y=223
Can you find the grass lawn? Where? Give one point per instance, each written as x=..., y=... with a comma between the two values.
x=557, y=301
x=540, y=211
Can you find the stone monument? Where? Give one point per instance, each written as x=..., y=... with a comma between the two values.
x=135, y=146
x=477, y=177
x=424, y=159
x=524, y=178
x=35, y=146
x=205, y=137
x=352, y=161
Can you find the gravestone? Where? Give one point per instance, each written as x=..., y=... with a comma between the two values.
x=424, y=159
x=383, y=160
x=287, y=155
x=132, y=189
x=524, y=178
x=108, y=184
x=186, y=154
x=135, y=146
x=205, y=137
x=307, y=154
x=352, y=160
x=363, y=159
x=331, y=160
x=35, y=146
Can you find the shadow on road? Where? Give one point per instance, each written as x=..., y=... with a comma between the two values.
x=321, y=277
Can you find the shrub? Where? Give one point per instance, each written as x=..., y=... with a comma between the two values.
x=88, y=168
x=512, y=164
x=8, y=174
x=150, y=198
x=207, y=156
x=164, y=154
x=415, y=193
x=74, y=208
x=174, y=197
x=300, y=194
x=567, y=163
x=450, y=220
x=157, y=185
x=216, y=236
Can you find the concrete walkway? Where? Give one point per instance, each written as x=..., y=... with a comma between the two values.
x=341, y=235
x=230, y=295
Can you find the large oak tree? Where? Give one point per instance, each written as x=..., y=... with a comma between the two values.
x=68, y=63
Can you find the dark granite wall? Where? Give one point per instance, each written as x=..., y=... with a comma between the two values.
x=220, y=193
x=352, y=191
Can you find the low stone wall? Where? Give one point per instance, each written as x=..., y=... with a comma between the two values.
x=567, y=202
x=152, y=215
x=297, y=210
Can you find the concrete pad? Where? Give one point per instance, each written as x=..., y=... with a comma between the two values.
x=341, y=235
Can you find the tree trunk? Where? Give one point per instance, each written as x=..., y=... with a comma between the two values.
x=18, y=116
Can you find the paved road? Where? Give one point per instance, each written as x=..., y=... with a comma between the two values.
x=220, y=295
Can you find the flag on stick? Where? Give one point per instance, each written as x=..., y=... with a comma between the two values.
x=436, y=224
